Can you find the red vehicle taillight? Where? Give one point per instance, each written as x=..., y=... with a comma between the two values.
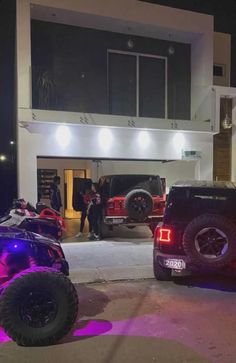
x=163, y=235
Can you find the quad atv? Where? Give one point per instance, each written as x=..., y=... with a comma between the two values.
x=38, y=303
x=42, y=220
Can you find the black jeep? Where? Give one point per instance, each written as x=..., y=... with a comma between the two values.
x=198, y=230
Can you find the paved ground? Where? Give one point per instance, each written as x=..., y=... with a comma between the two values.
x=187, y=321
x=127, y=254
x=120, y=233
x=109, y=260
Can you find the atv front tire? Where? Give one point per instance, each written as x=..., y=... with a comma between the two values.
x=38, y=306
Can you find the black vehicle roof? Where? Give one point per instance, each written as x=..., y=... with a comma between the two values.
x=114, y=175
x=205, y=184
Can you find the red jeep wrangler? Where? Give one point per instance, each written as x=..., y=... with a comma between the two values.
x=131, y=200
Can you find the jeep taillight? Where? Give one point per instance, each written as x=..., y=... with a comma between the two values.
x=163, y=235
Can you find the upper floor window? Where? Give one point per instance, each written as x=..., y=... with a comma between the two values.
x=219, y=70
x=137, y=84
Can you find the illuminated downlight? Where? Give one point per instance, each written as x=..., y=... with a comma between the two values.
x=179, y=141
x=105, y=138
x=3, y=158
x=143, y=139
x=63, y=136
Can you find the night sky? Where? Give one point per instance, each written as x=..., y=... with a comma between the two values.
x=7, y=75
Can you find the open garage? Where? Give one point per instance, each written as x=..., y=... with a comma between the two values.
x=73, y=171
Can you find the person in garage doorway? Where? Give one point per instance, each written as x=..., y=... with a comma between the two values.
x=55, y=194
x=95, y=210
x=85, y=198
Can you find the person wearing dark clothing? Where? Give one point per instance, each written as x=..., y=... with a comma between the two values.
x=55, y=195
x=84, y=203
x=95, y=210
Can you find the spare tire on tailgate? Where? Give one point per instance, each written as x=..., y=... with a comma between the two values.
x=139, y=204
x=210, y=241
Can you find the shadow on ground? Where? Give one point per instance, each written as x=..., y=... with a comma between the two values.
x=208, y=281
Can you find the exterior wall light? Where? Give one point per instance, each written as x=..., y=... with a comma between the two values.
x=143, y=139
x=63, y=136
x=171, y=50
x=3, y=158
x=130, y=43
x=105, y=138
x=179, y=141
x=226, y=123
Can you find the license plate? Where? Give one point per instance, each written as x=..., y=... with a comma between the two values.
x=118, y=221
x=175, y=264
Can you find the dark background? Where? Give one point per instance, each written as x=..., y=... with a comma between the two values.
x=8, y=183
x=224, y=19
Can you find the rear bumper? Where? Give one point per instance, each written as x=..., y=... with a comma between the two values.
x=163, y=257
x=124, y=220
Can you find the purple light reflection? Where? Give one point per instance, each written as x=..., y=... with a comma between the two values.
x=4, y=338
x=151, y=326
x=93, y=327
x=145, y=326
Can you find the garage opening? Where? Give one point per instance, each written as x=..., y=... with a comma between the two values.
x=77, y=175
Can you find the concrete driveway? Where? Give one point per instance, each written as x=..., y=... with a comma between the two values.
x=190, y=320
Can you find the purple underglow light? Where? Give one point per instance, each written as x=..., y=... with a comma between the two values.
x=15, y=246
x=4, y=338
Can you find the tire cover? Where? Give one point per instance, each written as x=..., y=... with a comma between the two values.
x=139, y=204
x=216, y=222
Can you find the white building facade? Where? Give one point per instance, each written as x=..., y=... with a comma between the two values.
x=179, y=125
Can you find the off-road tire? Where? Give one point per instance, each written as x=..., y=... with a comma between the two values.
x=138, y=215
x=207, y=221
x=51, y=283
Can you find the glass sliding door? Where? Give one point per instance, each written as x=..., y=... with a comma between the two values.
x=137, y=85
x=122, y=84
x=152, y=87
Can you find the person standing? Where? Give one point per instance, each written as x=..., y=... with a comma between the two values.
x=85, y=198
x=95, y=211
x=55, y=194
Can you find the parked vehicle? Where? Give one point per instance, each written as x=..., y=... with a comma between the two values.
x=198, y=232
x=131, y=200
x=38, y=303
x=42, y=220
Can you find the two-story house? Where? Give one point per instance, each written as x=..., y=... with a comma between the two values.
x=118, y=86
